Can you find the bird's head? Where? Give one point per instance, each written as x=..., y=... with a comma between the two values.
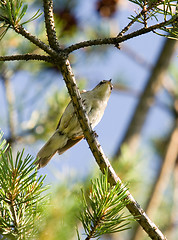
x=105, y=84
x=104, y=88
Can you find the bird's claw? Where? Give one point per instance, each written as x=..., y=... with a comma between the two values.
x=95, y=134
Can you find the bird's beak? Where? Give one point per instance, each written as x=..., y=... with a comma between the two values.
x=110, y=84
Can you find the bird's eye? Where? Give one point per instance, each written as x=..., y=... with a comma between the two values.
x=101, y=82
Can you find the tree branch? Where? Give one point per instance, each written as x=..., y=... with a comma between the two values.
x=26, y=57
x=20, y=30
x=117, y=40
x=125, y=29
x=99, y=155
x=50, y=27
x=150, y=7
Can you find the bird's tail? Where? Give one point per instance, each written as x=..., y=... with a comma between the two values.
x=45, y=154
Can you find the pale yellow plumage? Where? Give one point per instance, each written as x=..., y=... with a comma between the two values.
x=68, y=131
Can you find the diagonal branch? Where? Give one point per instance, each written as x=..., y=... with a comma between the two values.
x=99, y=155
x=20, y=30
x=26, y=57
x=117, y=40
x=94, y=145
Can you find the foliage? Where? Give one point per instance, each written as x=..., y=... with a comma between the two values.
x=22, y=204
x=101, y=211
x=156, y=9
x=12, y=12
x=20, y=195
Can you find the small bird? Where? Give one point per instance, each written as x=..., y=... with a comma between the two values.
x=68, y=131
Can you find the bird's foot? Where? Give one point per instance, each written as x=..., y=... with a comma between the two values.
x=95, y=134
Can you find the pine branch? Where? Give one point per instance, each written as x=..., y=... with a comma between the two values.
x=58, y=56
x=50, y=26
x=96, y=149
x=133, y=20
x=117, y=40
x=101, y=214
x=20, y=195
x=22, y=31
x=102, y=161
x=48, y=9
x=26, y=57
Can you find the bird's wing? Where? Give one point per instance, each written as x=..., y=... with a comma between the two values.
x=66, y=117
x=69, y=114
x=70, y=143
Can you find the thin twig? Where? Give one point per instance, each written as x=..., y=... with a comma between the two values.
x=93, y=229
x=145, y=10
x=150, y=7
x=126, y=28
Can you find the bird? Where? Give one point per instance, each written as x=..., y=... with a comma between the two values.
x=68, y=131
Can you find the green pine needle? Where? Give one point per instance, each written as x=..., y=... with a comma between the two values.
x=102, y=211
x=21, y=194
x=155, y=9
x=11, y=14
